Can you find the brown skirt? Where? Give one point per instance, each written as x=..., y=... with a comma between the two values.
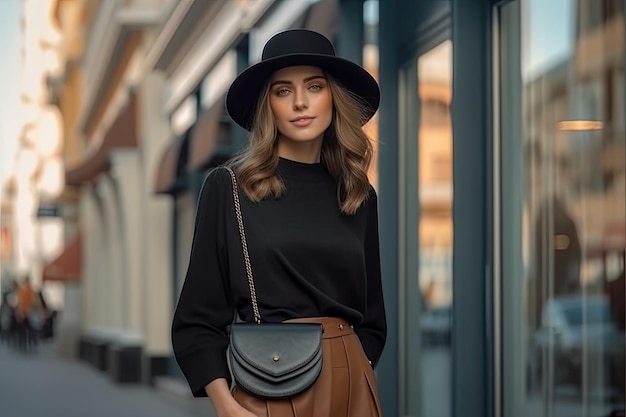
x=346, y=386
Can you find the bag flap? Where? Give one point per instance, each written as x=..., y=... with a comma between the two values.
x=276, y=348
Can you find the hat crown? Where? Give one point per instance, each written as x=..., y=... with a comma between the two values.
x=297, y=41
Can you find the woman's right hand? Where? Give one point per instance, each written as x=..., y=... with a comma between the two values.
x=223, y=401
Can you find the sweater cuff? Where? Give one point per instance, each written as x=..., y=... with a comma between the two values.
x=203, y=366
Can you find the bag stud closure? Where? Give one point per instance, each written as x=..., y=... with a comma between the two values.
x=276, y=357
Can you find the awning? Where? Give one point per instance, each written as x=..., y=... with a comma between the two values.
x=67, y=266
x=121, y=134
x=171, y=170
x=211, y=130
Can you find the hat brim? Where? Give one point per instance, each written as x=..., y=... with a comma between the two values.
x=243, y=94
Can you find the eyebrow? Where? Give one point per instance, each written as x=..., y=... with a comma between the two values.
x=307, y=79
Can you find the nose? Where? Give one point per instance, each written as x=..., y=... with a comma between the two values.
x=300, y=100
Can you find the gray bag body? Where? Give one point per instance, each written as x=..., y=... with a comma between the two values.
x=275, y=360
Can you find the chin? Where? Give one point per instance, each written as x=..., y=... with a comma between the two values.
x=304, y=137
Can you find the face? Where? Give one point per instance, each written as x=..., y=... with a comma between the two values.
x=301, y=102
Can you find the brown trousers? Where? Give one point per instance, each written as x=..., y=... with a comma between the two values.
x=346, y=386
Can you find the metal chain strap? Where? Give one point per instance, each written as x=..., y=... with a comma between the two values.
x=244, y=245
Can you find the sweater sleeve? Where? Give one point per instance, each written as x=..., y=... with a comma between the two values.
x=372, y=331
x=205, y=307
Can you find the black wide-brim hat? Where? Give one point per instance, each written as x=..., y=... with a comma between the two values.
x=291, y=48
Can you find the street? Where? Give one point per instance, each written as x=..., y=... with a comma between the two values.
x=40, y=384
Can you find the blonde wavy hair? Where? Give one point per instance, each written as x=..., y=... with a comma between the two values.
x=346, y=151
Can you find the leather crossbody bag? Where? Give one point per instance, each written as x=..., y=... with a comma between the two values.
x=271, y=360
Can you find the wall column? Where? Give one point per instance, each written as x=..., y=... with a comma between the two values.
x=472, y=315
x=351, y=27
x=388, y=204
x=127, y=174
x=114, y=293
x=95, y=261
x=156, y=218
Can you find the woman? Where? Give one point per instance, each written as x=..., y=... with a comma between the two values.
x=311, y=223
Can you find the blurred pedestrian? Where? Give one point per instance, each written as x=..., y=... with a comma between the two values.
x=26, y=309
x=48, y=317
x=311, y=226
x=557, y=258
x=8, y=322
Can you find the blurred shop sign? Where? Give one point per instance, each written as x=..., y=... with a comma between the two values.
x=48, y=210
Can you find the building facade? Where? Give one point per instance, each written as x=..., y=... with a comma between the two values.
x=501, y=167
x=29, y=236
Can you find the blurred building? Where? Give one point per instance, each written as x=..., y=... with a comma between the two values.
x=500, y=171
x=32, y=236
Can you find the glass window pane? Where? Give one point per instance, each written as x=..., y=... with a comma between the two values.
x=563, y=194
x=370, y=63
x=434, y=71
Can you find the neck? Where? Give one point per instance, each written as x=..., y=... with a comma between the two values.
x=306, y=152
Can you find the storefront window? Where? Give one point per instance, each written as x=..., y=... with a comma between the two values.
x=370, y=63
x=434, y=154
x=562, y=193
x=435, y=176
x=426, y=154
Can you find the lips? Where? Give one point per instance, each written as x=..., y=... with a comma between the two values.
x=302, y=121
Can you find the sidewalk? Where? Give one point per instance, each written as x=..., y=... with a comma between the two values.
x=42, y=385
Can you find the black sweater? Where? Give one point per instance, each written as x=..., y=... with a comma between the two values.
x=308, y=260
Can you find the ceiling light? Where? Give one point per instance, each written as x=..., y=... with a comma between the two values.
x=580, y=125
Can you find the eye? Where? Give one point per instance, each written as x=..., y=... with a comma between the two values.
x=315, y=87
x=282, y=92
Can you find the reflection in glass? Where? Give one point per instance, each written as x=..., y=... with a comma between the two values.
x=570, y=252
x=434, y=71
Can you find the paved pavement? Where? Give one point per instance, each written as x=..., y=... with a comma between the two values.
x=40, y=384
